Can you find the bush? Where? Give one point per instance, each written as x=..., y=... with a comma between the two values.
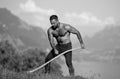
x=31, y=58
x=8, y=55
x=23, y=61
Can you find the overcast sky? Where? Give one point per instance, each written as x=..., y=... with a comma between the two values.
x=89, y=16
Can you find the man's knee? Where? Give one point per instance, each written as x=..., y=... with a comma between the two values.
x=70, y=66
x=69, y=63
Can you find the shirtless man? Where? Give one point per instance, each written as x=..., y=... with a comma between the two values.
x=61, y=32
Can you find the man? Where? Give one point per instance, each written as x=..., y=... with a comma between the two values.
x=61, y=32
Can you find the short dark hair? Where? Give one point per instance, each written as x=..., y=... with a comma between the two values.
x=53, y=17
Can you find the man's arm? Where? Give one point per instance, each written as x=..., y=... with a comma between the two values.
x=75, y=31
x=51, y=39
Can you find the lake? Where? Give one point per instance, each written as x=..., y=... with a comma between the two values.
x=98, y=70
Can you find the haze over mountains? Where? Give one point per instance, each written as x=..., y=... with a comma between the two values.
x=23, y=35
x=104, y=45
x=20, y=33
x=109, y=38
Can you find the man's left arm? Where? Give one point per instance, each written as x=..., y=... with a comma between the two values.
x=75, y=31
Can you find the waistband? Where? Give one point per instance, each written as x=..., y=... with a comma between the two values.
x=65, y=44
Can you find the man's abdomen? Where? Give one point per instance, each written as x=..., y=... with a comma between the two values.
x=63, y=40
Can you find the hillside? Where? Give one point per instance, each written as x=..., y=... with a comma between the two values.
x=20, y=33
x=107, y=39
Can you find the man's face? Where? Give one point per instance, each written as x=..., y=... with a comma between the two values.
x=54, y=22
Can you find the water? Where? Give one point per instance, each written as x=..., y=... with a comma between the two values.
x=98, y=70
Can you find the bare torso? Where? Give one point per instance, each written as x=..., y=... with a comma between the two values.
x=61, y=34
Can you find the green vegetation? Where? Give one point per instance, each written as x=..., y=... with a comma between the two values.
x=14, y=64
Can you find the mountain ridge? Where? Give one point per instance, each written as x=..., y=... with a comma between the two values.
x=13, y=27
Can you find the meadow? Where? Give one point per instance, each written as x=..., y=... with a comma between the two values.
x=14, y=64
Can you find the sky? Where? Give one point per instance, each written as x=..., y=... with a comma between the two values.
x=88, y=16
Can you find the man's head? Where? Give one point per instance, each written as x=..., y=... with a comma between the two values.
x=54, y=20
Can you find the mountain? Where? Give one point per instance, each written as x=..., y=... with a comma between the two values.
x=107, y=39
x=21, y=33
x=104, y=46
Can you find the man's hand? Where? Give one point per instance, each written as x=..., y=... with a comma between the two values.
x=82, y=46
x=56, y=51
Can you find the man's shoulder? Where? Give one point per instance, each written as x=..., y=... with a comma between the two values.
x=49, y=29
x=66, y=26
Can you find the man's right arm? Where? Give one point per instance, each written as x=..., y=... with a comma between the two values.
x=51, y=39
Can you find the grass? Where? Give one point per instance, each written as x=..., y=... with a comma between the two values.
x=13, y=64
x=7, y=74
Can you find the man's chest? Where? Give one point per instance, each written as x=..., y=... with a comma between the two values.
x=59, y=32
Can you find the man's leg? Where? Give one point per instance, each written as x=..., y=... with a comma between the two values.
x=68, y=58
x=49, y=57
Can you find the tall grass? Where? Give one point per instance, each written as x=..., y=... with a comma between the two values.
x=14, y=64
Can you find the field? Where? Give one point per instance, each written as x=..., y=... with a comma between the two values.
x=15, y=63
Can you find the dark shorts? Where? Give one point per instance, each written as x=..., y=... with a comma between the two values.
x=63, y=47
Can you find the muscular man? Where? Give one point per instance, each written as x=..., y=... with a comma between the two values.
x=61, y=32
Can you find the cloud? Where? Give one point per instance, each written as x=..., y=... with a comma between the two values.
x=83, y=18
x=87, y=18
x=30, y=6
x=35, y=15
x=87, y=22
x=109, y=21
